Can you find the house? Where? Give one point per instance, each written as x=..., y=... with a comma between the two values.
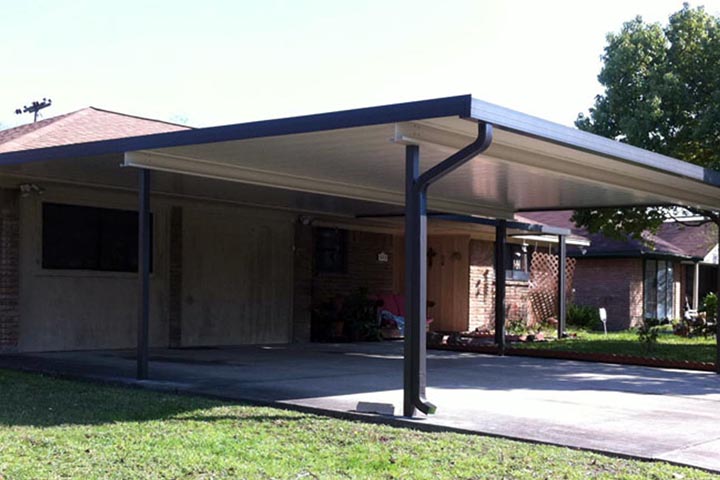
x=76, y=239
x=225, y=235
x=675, y=267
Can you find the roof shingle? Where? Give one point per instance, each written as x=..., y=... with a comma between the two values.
x=87, y=125
x=671, y=239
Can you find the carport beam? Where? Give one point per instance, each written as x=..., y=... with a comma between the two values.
x=416, y=186
x=143, y=272
x=562, y=266
x=500, y=248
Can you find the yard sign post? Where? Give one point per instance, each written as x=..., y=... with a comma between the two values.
x=416, y=186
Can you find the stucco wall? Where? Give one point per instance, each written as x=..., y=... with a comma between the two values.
x=76, y=310
x=235, y=286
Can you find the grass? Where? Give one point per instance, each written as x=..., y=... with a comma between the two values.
x=54, y=429
x=668, y=347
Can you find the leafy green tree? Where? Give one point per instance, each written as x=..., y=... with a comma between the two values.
x=662, y=93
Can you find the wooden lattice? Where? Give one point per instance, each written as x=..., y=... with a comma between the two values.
x=543, y=290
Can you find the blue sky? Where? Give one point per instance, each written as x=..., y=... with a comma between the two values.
x=216, y=62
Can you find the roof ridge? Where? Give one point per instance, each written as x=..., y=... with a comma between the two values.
x=129, y=115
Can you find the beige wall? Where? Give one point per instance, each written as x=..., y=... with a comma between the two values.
x=76, y=310
x=237, y=279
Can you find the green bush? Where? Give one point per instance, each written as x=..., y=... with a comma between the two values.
x=707, y=325
x=583, y=316
x=648, y=333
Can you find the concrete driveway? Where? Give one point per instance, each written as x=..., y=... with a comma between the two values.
x=651, y=413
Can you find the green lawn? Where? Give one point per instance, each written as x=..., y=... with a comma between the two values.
x=669, y=346
x=53, y=428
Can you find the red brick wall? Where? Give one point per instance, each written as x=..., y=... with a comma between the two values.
x=9, y=273
x=482, y=290
x=363, y=268
x=615, y=284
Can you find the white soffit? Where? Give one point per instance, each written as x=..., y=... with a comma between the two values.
x=531, y=164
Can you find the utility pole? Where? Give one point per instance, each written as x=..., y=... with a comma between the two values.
x=34, y=108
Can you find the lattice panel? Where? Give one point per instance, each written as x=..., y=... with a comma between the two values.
x=543, y=284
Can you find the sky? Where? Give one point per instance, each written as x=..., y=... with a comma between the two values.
x=215, y=62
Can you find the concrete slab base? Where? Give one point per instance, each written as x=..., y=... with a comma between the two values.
x=649, y=413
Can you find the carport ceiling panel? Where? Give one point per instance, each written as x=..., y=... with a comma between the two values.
x=528, y=172
x=363, y=163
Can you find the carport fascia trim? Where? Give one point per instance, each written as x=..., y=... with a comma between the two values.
x=458, y=106
x=506, y=119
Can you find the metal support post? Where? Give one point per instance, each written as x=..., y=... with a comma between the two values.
x=143, y=273
x=416, y=186
x=562, y=307
x=500, y=248
x=717, y=314
x=415, y=288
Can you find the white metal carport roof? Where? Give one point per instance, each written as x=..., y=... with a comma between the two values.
x=531, y=165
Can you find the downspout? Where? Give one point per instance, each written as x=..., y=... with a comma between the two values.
x=416, y=186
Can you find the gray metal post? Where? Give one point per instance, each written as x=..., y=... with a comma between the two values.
x=415, y=288
x=717, y=315
x=143, y=273
x=562, y=307
x=500, y=247
x=416, y=185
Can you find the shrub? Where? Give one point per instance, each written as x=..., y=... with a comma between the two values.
x=648, y=333
x=583, y=316
x=706, y=326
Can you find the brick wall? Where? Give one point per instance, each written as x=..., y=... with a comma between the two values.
x=363, y=268
x=9, y=272
x=482, y=290
x=616, y=284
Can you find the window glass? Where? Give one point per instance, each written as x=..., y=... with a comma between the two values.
x=88, y=238
x=330, y=250
x=516, y=262
x=650, y=289
x=658, y=289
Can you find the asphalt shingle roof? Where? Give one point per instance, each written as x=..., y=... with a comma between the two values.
x=87, y=125
x=671, y=239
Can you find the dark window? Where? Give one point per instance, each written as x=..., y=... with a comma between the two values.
x=89, y=238
x=516, y=262
x=330, y=250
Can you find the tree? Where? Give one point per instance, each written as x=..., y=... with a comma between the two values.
x=662, y=93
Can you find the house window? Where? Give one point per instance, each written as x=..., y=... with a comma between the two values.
x=658, y=289
x=330, y=250
x=516, y=262
x=88, y=238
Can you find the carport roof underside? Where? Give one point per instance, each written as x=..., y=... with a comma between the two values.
x=356, y=157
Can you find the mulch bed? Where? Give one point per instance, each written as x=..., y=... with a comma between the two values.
x=584, y=357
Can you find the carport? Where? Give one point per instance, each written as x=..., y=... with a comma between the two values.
x=480, y=159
